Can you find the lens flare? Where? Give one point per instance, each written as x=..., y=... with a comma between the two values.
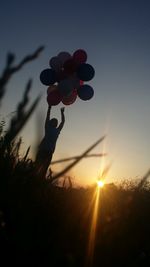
x=93, y=228
x=100, y=183
x=95, y=206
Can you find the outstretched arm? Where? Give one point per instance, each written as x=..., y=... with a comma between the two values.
x=48, y=116
x=62, y=119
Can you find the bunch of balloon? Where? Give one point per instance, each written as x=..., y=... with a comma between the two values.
x=66, y=76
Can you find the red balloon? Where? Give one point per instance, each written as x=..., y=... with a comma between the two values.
x=51, y=88
x=80, y=56
x=68, y=100
x=54, y=98
x=81, y=82
x=75, y=81
x=70, y=66
x=61, y=75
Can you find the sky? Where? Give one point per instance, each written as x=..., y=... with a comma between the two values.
x=116, y=37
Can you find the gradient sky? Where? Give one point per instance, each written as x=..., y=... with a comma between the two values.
x=116, y=36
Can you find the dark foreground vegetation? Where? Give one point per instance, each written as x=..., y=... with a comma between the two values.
x=42, y=224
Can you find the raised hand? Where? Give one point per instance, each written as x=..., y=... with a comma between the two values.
x=62, y=109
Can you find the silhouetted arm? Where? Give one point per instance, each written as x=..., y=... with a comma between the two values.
x=62, y=119
x=47, y=116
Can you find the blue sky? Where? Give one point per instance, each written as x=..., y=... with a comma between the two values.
x=116, y=36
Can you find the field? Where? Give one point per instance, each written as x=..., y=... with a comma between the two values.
x=43, y=224
x=50, y=226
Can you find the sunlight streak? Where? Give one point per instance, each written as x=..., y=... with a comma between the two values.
x=92, y=234
x=96, y=208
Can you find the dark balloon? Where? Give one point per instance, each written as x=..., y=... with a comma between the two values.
x=55, y=64
x=63, y=57
x=80, y=56
x=85, y=92
x=48, y=77
x=61, y=75
x=85, y=72
x=75, y=81
x=65, y=87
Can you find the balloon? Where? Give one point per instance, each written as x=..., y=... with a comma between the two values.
x=70, y=66
x=61, y=75
x=51, y=88
x=54, y=98
x=63, y=57
x=85, y=72
x=65, y=87
x=80, y=56
x=85, y=92
x=75, y=81
x=55, y=63
x=48, y=76
x=66, y=76
x=68, y=100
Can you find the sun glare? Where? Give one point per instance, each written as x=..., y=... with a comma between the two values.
x=100, y=183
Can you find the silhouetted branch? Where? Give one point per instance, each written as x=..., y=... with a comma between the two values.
x=67, y=178
x=2, y=124
x=76, y=157
x=27, y=59
x=21, y=117
x=9, y=70
x=65, y=170
x=105, y=171
x=16, y=147
x=26, y=154
x=144, y=179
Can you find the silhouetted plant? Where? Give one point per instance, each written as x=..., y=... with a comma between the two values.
x=9, y=70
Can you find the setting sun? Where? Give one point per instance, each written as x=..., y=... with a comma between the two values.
x=100, y=183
